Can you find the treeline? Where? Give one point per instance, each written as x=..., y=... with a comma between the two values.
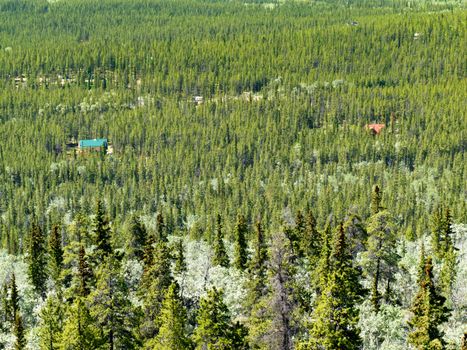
x=304, y=285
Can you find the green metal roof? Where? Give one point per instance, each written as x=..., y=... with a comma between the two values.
x=93, y=143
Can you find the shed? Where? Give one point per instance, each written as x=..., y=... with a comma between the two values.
x=93, y=145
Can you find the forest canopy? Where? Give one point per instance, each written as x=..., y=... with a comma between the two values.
x=240, y=172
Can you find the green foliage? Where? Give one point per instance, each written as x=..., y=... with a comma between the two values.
x=173, y=320
x=214, y=329
x=51, y=323
x=156, y=279
x=20, y=341
x=80, y=331
x=101, y=234
x=220, y=255
x=37, y=259
x=429, y=312
x=137, y=238
x=241, y=244
x=380, y=258
x=336, y=315
x=116, y=318
x=55, y=253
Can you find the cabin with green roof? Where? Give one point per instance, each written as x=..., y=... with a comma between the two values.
x=94, y=145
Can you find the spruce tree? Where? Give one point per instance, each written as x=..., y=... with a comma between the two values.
x=380, y=258
x=429, y=312
x=56, y=253
x=310, y=243
x=220, y=255
x=85, y=274
x=258, y=268
x=161, y=228
x=80, y=331
x=37, y=259
x=214, y=329
x=51, y=323
x=111, y=307
x=156, y=279
x=173, y=320
x=241, y=254
x=14, y=298
x=180, y=263
x=18, y=331
x=137, y=238
x=336, y=314
x=376, y=196
x=101, y=234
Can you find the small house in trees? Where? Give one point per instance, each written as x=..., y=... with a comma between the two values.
x=375, y=129
x=94, y=145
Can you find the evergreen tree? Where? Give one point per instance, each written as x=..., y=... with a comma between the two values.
x=85, y=274
x=137, y=238
x=18, y=331
x=161, y=228
x=376, y=196
x=336, y=315
x=51, y=323
x=241, y=254
x=448, y=273
x=173, y=319
x=322, y=271
x=429, y=312
x=111, y=308
x=380, y=259
x=310, y=244
x=258, y=268
x=56, y=253
x=154, y=283
x=80, y=331
x=180, y=263
x=14, y=298
x=437, y=227
x=214, y=329
x=299, y=234
x=101, y=234
x=220, y=255
x=37, y=259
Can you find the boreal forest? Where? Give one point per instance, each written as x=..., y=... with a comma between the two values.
x=233, y=174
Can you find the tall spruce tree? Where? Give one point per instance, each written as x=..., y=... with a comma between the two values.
x=376, y=197
x=380, y=259
x=156, y=279
x=310, y=243
x=137, y=238
x=111, y=307
x=161, y=228
x=429, y=312
x=220, y=256
x=55, y=253
x=14, y=298
x=85, y=275
x=241, y=244
x=173, y=320
x=214, y=329
x=79, y=330
x=101, y=234
x=18, y=331
x=180, y=263
x=51, y=319
x=37, y=259
x=336, y=314
x=258, y=267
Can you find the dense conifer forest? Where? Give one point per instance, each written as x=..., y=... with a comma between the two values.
x=244, y=201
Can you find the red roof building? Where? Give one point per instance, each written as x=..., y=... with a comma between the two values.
x=375, y=128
